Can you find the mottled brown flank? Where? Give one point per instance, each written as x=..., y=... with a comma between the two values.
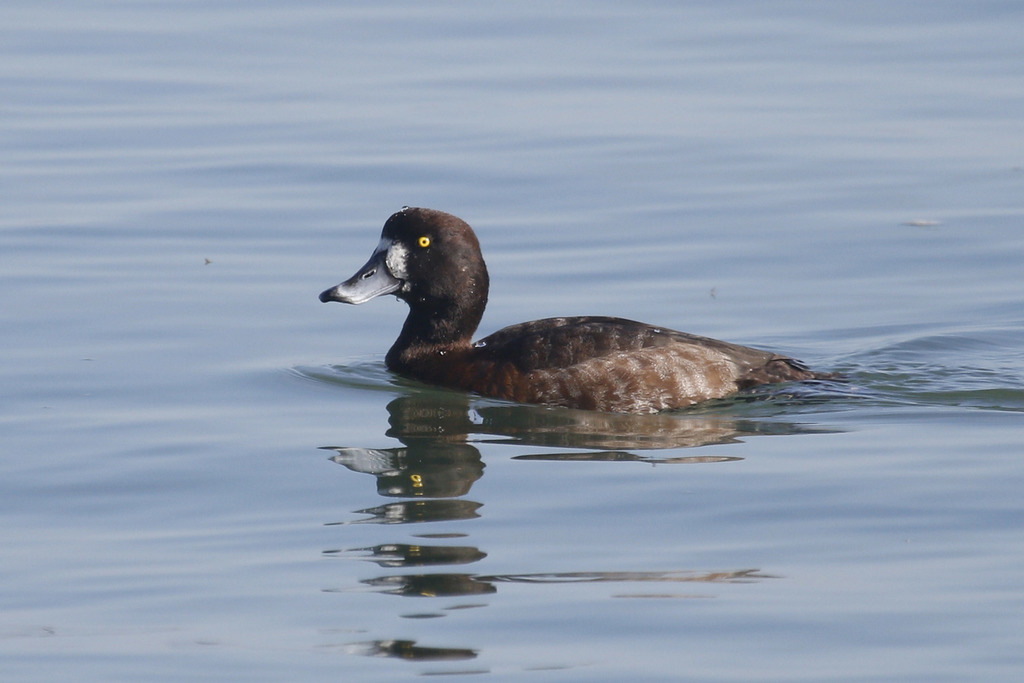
x=605, y=364
x=595, y=363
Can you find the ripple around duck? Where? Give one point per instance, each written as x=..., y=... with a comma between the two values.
x=361, y=374
x=979, y=369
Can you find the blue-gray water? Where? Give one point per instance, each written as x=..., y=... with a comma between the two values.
x=206, y=474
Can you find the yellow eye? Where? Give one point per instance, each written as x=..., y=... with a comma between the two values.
x=424, y=241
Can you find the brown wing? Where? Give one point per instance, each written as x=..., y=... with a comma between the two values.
x=564, y=342
x=621, y=365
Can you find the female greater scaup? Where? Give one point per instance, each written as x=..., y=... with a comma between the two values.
x=432, y=261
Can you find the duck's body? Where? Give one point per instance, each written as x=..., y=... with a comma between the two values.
x=432, y=260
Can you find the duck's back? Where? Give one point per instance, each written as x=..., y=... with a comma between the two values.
x=613, y=364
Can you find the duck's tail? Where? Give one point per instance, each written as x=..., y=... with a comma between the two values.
x=782, y=369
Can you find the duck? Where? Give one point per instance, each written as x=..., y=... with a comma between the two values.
x=432, y=261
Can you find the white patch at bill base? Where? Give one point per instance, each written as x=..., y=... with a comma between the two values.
x=396, y=259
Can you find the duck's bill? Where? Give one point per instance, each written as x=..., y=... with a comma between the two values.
x=373, y=280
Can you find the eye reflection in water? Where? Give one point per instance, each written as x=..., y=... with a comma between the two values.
x=437, y=466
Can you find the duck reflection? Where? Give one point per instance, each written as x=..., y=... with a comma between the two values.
x=413, y=511
x=432, y=585
x=424, y=468
x=436, y=460
x=413, y=555
x=447, y=585
x=582, y=429
x=408, y=649
x=435, y=467
x=432, y=422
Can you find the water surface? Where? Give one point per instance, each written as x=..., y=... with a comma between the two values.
x=208, y=474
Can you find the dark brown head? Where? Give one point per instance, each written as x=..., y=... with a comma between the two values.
x=432, y=261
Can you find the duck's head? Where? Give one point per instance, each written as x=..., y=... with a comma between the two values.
x=431, y=260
